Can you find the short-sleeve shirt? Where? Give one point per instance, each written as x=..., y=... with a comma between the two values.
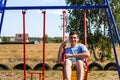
x=76, y=50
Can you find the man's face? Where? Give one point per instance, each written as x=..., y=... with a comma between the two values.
x=73, y=39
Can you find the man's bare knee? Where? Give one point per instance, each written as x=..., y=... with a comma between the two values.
x=80, y=63
x=68, y=62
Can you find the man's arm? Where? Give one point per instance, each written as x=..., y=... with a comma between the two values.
x=60, y=51
x=85, y=54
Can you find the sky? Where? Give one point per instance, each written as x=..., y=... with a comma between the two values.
x=12, y=23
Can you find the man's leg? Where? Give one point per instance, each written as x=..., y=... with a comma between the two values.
x=80, y=69
x=67, y=69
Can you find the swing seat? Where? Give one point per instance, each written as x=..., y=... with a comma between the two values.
x=74, y=75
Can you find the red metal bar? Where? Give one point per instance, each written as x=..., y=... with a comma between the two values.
x=85, y=34
x=44, y=41
x=34, y=72
x=31, y=76
x=40, y=73
x=63, y=60
x=63, y=39
x=85, y=43
x=24, y=45
x=64, y=24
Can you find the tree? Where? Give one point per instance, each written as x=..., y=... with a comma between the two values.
x=5, y=39
x=97, y=29
x=115, y=5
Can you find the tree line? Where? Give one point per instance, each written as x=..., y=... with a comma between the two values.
x=39, y=39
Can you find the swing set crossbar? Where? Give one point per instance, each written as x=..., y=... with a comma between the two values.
x=49, y=7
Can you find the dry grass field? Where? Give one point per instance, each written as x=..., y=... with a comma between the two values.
x=12, y=54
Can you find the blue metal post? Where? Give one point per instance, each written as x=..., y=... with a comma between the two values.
x=113, y=43
x=2, y=16
x=1, y=1
x=108, y=14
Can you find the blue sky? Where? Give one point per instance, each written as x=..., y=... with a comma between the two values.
x=12, y=23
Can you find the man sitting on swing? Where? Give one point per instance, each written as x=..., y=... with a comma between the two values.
x=75, y=54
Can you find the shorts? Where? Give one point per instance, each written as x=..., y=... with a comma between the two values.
x=75, y=59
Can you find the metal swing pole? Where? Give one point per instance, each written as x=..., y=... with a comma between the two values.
x=2, y=12
x=113, y=44
x=24, y=43
x=85, y=43
x=44, y=41
x=64, y=25
x=85, y=34
x=63, y=39
x=110, y=17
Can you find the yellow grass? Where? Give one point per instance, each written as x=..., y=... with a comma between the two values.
x=12, y=54
x=34, y=53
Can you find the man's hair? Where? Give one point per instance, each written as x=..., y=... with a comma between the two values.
x=73, y=32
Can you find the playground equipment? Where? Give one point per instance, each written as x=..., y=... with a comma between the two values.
x=106, y=6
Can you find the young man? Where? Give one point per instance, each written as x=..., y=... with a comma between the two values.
x=75, y=53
